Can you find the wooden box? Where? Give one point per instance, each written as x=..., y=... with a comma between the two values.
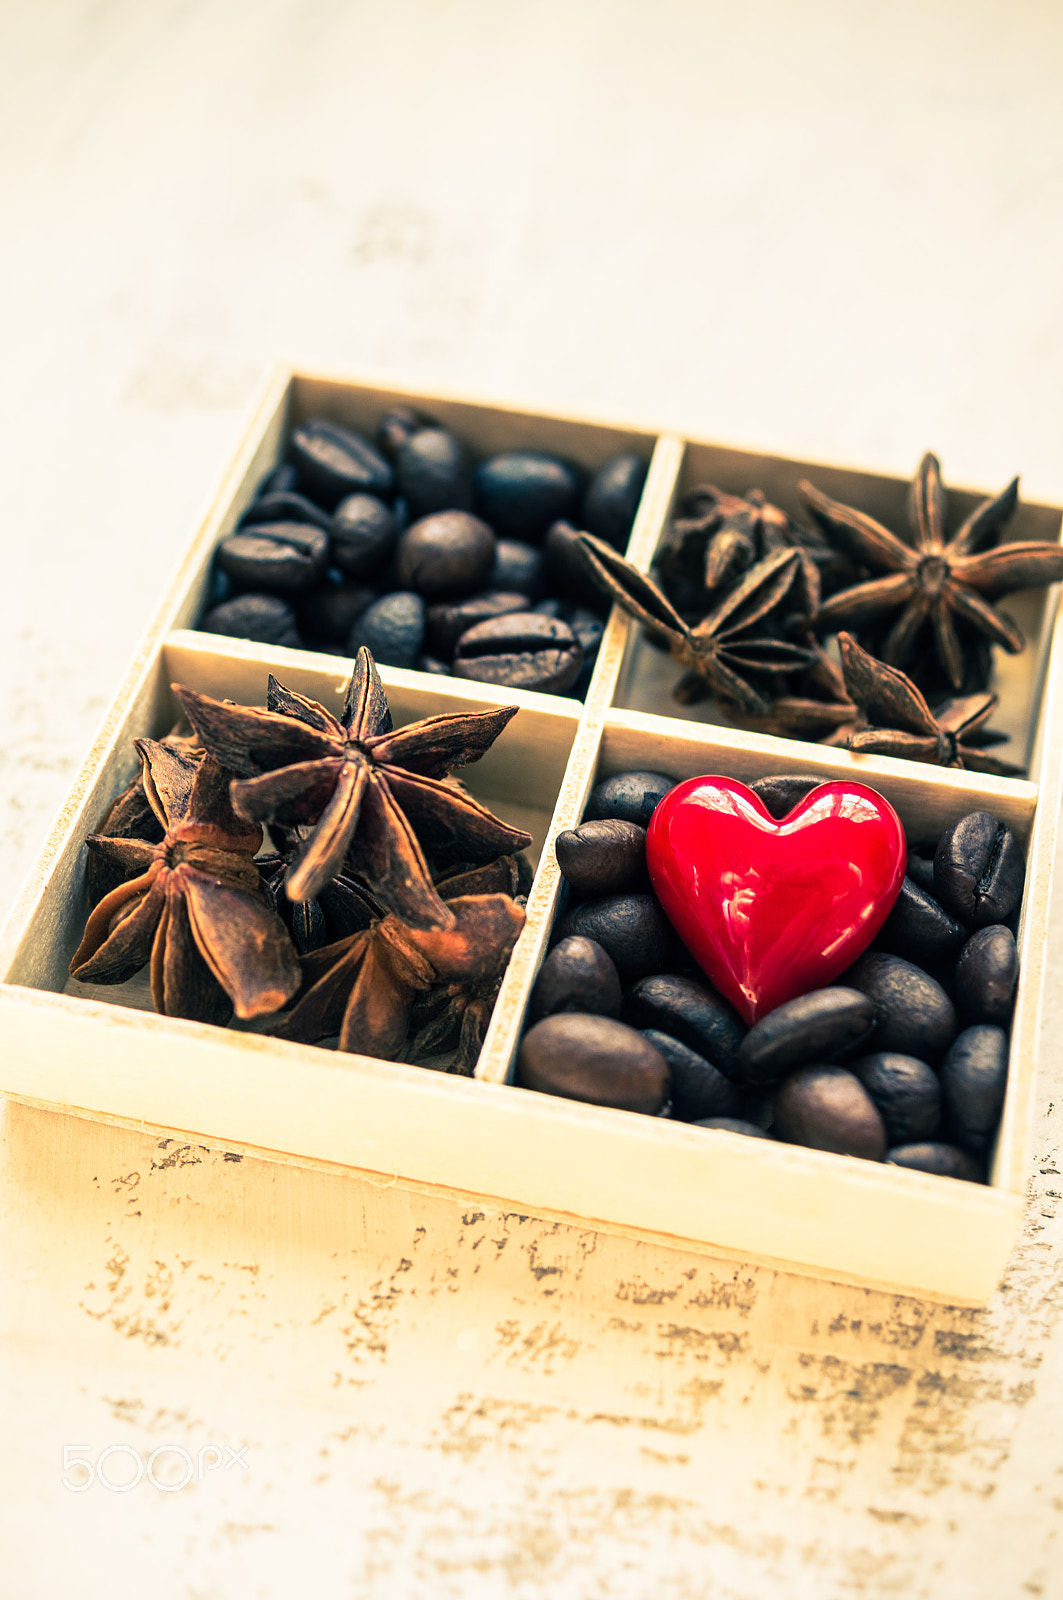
x=98, y=1053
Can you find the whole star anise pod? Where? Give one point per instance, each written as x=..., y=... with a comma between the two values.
x=361, y=786
x=933, y=580
x=129, y=816
x=191, y=903
x=902, y=724
x=734, y=644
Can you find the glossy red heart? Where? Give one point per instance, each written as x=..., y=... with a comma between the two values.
x=772, y=909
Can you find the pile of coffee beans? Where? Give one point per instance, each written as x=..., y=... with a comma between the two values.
x=432, y=560
x=903, y=1060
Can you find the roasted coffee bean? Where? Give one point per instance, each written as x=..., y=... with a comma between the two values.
x=521, y=492
x=262, y=617
x=449, y=620
x=284, y=479
x=335, y=461
x=392, y=629
x=690, y=1011
x=328, y=614
x=812, y=1028
x=606, y=857
x=919, y=928
x=828, y=1108
x=520, y=567
x=944, y=1160
x=631, y=927
x=447, y=554
x=433, y=664
x=433, y=472
x=628, y=796
x=781, y=793
x=520, y=651
x=907, y=1093
x=913, y=1014
x=979, y=870
x=758, y=1105
x=285, y=506
x=566, y=569
x=733, y=1125
x=276, y=557
x=612, y=499
x=577, y=975
x=920, y=868
x=596, y=1060
x=698, y=1088
x=364, y=534
x=986, y=974
x=397, y=426
x=974, y=1077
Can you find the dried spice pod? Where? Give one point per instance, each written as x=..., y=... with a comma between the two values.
x=718, y=536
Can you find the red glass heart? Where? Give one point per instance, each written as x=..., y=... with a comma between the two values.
x=772, y=909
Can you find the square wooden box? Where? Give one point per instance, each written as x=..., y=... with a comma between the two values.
x=97, y=1053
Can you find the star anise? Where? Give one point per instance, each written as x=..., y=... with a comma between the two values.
x=129, y=816
x=902, y=724
x=360, y=785
x=734, y=644
x=933, y=580
x=190, y=903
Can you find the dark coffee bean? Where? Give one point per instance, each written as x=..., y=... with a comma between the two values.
x=586, y=624
x=698, y=1088
x=577, y=975
x=364, y=534
x=277, y=557
x=628, y=796
x=596, y=1060
x=780, y=794
x=262, y=617
x=221, y=588
x=920, y=868
x=944, y=1160
x=334, y=461
x=397, y=426
x=919, y=928
x=974, y=1077
x=441, y=669
x=979, y=870
x=907, y=1093
x=328, y=614
x=520, y=651
x=758, y=1106
x=606, y=857
x=521, y=492
x=828, y=1108
x=690, y=1011
x=284, y=479
x=986, y=974
x=392, y=629
x=812, y=1028
x=449, y=620
x=518, y=566
x=434, y=473
x=447, y=554
x=285, y=506
x=612, y=499
x=913, y=1014
x=566, y=570
x=631, y=927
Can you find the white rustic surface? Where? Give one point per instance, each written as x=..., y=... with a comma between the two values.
x=830, y=230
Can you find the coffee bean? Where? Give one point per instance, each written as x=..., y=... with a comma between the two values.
x=612, y=499
x=974, y=1078
x=758, y=1105
x=397, y=426
x=392, y=629
x=334, y=461
x=828, y=1108
x=628, y=796
x=631, y=927
x=913, y=1014
x=733, y=1125
x=979, y=870
x=812, y=1028
x=986, y=974
x=521, y=492
x=944, y=1160
x=284, y=479
x=449, y=620
x=596, y=1060
x=433, y=472
x=698, y=1088
x=277, y=557
x=566, y=568
x=577, y=975
x=920, y=868
x=781, y=793
x=518, y=566
x=328, y=614
x=907, y=1093
x=433, y=664
x=364, y=534
x=919, y=928
x=690, y=1011
x=262, y=617
x=606, y=857
x=285, y=506
x=520, y=651
x=447, y=554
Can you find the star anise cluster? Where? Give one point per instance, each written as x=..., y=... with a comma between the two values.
x=382, y=880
